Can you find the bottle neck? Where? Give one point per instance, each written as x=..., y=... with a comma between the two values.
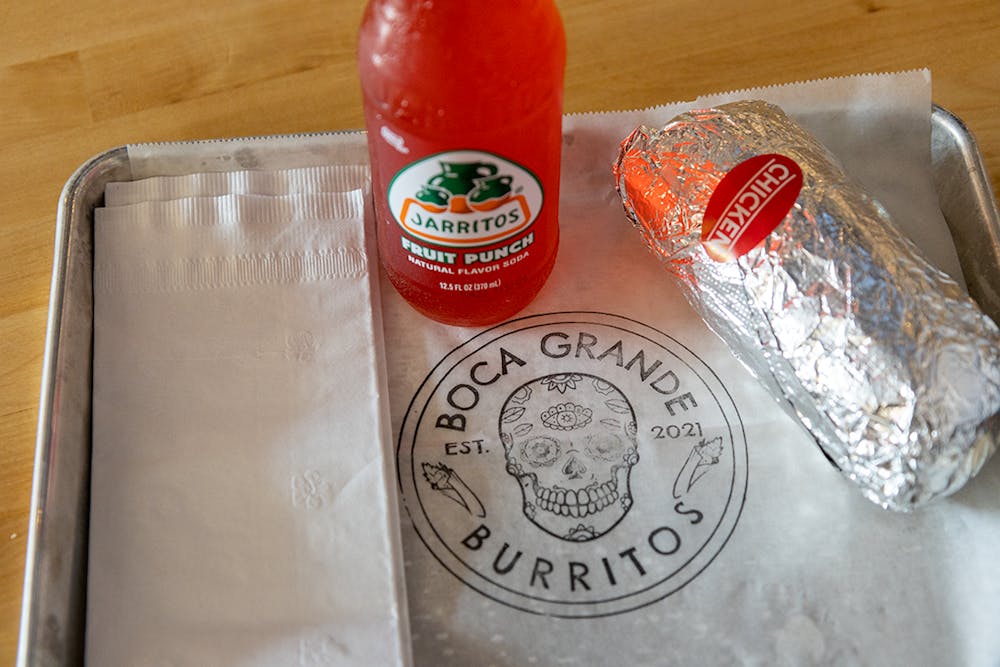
x=454, y=63
x=468, y=39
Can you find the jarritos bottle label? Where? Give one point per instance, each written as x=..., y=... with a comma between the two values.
x=452, y=205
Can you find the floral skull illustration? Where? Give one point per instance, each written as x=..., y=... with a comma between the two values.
x=570, y=441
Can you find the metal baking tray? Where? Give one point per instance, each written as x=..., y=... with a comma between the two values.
x=54, y=600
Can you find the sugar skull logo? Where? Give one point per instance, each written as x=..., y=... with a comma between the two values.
x=571, y=464
x=570, y=441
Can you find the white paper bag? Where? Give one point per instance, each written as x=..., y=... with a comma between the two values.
x=242, y=511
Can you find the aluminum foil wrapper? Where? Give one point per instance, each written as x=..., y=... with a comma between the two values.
x=885, y=360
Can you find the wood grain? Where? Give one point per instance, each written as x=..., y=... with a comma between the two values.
x=79, y=78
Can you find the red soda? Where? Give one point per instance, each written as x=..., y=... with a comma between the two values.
x=463, y=107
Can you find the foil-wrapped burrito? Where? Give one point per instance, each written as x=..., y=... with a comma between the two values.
x=885, y=360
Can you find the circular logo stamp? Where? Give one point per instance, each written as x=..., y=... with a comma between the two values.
x=464, y=199
x=573, y=464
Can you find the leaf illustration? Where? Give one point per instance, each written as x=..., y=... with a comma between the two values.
x=619, y=406
x=522, y=430
x=511, y=415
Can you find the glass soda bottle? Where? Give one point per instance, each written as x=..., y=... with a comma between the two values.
x=463, y=107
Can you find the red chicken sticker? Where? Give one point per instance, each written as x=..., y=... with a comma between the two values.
x=749, y=202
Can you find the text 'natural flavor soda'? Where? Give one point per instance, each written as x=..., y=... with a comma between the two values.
x=463, y=107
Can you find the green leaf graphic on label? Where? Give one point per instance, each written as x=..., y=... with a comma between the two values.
x=464, y=199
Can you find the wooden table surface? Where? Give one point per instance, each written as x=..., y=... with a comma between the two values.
x=79, y=78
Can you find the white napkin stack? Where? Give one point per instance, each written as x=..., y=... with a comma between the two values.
x=242, y=511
